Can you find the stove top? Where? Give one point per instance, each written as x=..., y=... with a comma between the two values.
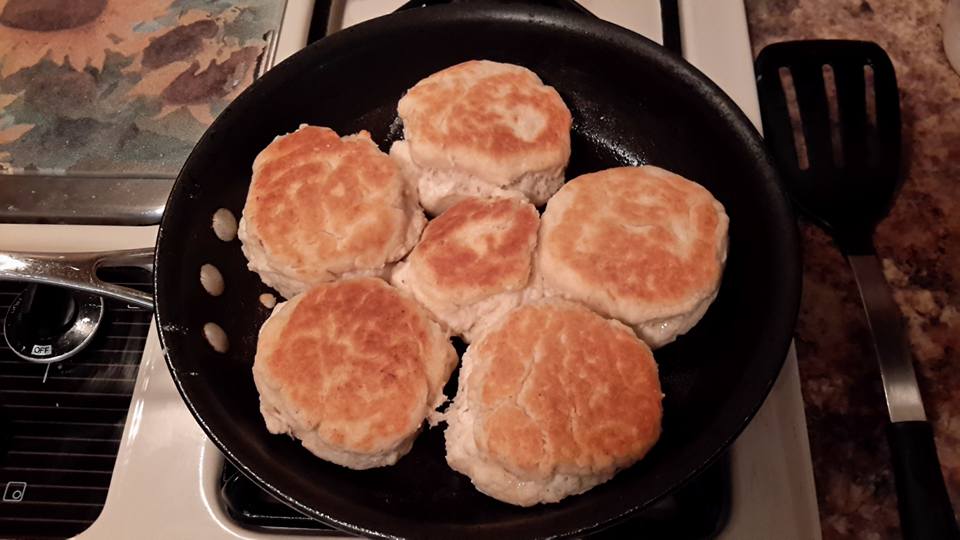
x=62, y=423
x=169, y=481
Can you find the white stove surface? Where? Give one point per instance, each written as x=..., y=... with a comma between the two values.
x=165, y=480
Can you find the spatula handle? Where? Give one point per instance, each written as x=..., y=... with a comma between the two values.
x=925, y=509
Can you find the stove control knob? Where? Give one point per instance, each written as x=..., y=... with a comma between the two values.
x=48, y=324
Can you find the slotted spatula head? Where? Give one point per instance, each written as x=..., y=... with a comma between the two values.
x=831, y=115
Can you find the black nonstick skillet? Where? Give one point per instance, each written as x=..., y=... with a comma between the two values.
x=633, y=102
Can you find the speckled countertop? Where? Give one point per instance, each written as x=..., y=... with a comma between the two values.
x=920, y=246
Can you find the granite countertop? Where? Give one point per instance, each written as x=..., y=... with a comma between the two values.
x=919, y=244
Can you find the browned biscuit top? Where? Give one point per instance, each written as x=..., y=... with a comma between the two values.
x=321, y=205
x=486, y=118
x=559, y=389
x=641, y=237
x=356, y=361
x=477, y=248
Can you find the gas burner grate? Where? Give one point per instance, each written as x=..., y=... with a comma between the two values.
x=61, y=425
x=698, y=511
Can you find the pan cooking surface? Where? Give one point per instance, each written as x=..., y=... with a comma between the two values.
x=631, y=104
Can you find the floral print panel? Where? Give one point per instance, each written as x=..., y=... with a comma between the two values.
x=121, y=87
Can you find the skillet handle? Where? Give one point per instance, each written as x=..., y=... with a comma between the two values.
x=78, y=271
x=925, y=509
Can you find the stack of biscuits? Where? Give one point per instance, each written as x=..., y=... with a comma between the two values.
x=558, y=389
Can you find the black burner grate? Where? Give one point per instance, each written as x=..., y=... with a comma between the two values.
x=60, y=428
x=697, y=511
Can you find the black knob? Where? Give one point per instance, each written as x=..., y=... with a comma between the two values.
x=47, y=312
x=47, y=324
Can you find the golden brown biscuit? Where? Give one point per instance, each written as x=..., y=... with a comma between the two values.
x=481, y=129
x=321, y=206
x=639, y=244
x=352, y=369
x=553, y=401
x=473, y=263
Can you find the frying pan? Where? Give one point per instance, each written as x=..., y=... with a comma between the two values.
x=632, y=103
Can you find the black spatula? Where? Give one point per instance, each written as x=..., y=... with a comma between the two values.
x=840, y=159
